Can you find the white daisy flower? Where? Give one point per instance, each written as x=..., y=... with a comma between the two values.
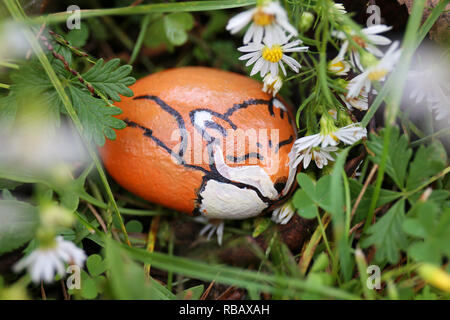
x=338, y=65
x=321, y=156
x=348, y=135
x=272, y=84
x=376, y=72
x=340, y=7
x=441, y=105
x=283, y=214
x=270, y=20
x=213, y=228
x=361, y=102
x=429, y=82
x=333, y=113
x=374, y=40
x=43, y=263
x=268, y=56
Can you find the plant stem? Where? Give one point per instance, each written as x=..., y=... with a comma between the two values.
x=148, y=8
x=17, y=15
x=9, y=65
x=137, y=47
x=399, y=79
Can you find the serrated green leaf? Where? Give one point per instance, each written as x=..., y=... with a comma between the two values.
x=110, y=78
x=385, y=197
x=398, y=154
x=18, y=223
x=387, y=234
x=95, y=115
x=8, y=111
x=426, y=294
x=427, y=162
x=31, y=86
x=432, y=227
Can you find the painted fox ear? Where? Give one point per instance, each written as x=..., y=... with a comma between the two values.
x=211, y=125
x=278, y=104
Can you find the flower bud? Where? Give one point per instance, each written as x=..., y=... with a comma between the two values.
x=53, y=216
x=306, y=21
x=435, y=276
x=368, y=60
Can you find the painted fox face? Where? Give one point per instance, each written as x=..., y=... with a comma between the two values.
x=203, y=141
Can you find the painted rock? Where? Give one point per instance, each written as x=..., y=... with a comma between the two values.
x=204, y=141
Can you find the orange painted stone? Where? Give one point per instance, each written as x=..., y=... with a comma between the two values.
x=203, y=141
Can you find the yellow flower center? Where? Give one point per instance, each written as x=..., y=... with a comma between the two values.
x=273, y=54
x=271, y=85
x=337, y=66
x=334, y=137
x=360, y=41
x=263, y=19
x=378, y=74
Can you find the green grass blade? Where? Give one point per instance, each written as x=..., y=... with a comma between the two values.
x=148, y=8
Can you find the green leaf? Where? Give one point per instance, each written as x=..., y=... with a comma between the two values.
x=337, y=210
x=427, y=162
x=134, y=226
x=110, y=78
x=7, y=195
x=432, y=228
x=216, y=24
x=385, y=197
x=193, y=293
x=89, y=288
x=253, y=280
x=18, y=223
x=387, y=234
x=156, y=34
x=34, y=93
x=95, y=265
x=78, y=37
x=8, y=110
x=318, y=191
x=95, y=116
x=261, y=225
x=398, y=155
x=127, y=279
x=9, y=184
x=426, y=294
x=306, y=207
x=176, y=25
